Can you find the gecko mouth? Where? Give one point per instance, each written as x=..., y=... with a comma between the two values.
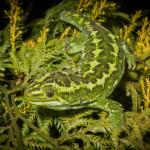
x=56, y=105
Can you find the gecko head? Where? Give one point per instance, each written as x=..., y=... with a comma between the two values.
x=40, y=93
x=43, y=97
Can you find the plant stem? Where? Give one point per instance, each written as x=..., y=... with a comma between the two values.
x=15, y=126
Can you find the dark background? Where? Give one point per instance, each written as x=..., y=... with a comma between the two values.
x=36, y=8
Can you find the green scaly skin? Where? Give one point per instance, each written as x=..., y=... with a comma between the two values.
x=101, y=67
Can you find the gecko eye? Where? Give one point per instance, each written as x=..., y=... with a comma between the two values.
x=50, y=93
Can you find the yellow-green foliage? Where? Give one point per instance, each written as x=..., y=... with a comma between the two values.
x=25, y=126
x=140, y=88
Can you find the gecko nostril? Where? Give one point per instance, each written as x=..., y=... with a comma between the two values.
x=50, y=93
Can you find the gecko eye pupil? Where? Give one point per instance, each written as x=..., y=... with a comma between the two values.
x=50, y=93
